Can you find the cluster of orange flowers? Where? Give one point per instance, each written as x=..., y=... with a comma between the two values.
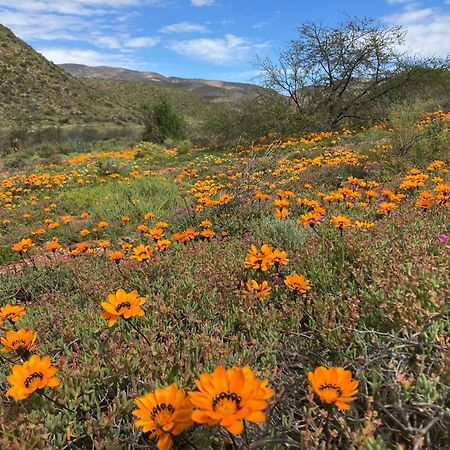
x=16, y=190
x=276, y=140
x=80, y=159
x=140, y=252
x=261, y=260
x=226, y=397
x=435, y=116
x=35, y=372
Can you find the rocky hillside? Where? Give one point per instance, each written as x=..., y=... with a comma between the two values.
x=34, y=90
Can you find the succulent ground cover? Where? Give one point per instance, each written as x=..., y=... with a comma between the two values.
x=289, y=294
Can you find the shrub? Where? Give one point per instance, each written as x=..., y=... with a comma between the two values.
x=161, y=121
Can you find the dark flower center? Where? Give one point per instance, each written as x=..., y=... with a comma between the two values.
x=226, y=396
x=17, y=341
x=123, y=305
x=32, y=377
x=331, y=386
x=162, y=407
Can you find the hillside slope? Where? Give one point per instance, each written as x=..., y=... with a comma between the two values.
x=34, y=90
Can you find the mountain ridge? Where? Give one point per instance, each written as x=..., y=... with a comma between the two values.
x=213, y=90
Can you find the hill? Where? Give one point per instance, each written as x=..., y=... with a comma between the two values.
x=212, y=90
x=35, y=93
x=34, y=90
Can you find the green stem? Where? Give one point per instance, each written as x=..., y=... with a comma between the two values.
x=55, y=402
x=135, y=328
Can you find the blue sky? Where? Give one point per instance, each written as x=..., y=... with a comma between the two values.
x=210, y=39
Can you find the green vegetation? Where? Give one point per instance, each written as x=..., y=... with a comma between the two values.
x=161, y=122
x=376, y=302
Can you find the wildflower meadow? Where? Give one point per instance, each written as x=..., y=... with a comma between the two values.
x=292, y=293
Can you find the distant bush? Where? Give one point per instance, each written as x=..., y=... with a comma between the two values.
x=161, y=121
x=255, y=117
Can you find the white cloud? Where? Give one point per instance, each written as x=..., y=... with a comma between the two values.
x=60, y=7
x=218, y=51
x=427, y=30
x=184, y=27
x=122, y=41
x=45, y=26
x=202, y=2
x=72, y=7
x=141, y=42
x=83, y=56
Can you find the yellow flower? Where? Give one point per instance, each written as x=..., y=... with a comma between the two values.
x=36, y=373
x=208, y=233
x=311, y=218
x=341, y=221
x=279, y=257
x=23, y=246
x=386, y=207
x=425, y=200
x=229, y=396
x=155, y=233
x=163, y=244
x=255, y=290
x=18, y=340
x=297, y=283
x=11, y=312
x=334, y=385
x=164, y=413
x=261, y=259
x=281, y=213
x=126, y=246
x=206, y=224
x=364, y=225
x=142, y=228
x=115, y=256
x=252, y=259
x=53, y=245
x=142, y=252
x=122, y=304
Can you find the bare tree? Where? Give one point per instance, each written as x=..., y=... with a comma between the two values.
x=339, y=71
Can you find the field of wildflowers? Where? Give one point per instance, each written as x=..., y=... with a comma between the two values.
x=290, y=294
